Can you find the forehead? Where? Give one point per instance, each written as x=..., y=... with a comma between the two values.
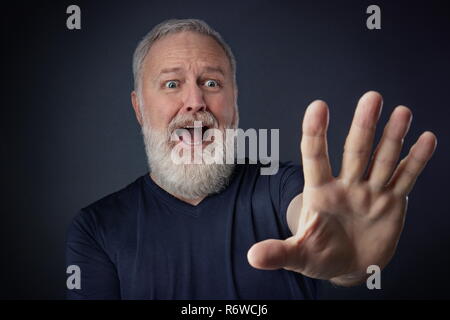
x=184, y=50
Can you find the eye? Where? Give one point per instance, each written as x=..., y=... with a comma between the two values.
x=211, y=83
x=171, y=84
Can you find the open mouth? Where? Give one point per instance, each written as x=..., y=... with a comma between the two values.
x=191, y=129
x=192, y=135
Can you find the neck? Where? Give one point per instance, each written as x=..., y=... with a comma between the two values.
x=193, y=202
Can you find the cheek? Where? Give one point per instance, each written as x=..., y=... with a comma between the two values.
x=159, y=111
x=223, y=110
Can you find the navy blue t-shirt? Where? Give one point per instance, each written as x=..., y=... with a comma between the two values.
x=143, y=243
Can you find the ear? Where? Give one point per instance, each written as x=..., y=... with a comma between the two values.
x=236, y=109
x=236, y=118
x=136, y=107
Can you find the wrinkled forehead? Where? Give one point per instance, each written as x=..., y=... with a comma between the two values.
x=185, y=51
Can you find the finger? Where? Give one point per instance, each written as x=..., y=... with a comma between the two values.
x=268, y=254
x=288, y=254
x=274, y=254
x=388, y=151
x=358, y=144
x=410, y=167
x=316, y=164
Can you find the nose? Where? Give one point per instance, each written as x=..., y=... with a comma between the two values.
x=194, y=100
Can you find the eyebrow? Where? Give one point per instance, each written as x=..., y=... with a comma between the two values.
x=215, y=69
x=178, y=69
x=169, y=70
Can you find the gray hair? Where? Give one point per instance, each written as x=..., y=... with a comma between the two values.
x=175, y=26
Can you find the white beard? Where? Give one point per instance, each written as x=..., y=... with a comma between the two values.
x=192, y=180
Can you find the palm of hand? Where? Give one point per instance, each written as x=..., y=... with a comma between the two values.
x=343, y=224
x=344, y=229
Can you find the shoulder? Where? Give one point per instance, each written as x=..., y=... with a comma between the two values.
x=285, y=180
x=112, y=209
x=273, y=172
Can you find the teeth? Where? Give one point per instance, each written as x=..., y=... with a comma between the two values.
x=194, y=143
x=193, y=127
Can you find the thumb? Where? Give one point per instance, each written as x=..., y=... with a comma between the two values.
x=269, y=254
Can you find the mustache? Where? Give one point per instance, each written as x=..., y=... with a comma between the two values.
x=184, y=120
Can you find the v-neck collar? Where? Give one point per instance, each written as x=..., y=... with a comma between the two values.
x=181, y=205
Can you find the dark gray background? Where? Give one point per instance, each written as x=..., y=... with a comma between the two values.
x=69, y=135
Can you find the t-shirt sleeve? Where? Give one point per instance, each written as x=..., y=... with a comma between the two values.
x=290, y=182
x=290, y=185
x=84, y=249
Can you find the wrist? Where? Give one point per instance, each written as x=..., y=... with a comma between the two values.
x=350, y=279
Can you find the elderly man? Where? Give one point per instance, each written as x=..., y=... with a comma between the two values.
x=224, y=230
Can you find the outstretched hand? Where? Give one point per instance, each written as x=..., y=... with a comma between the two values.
x=343, y=224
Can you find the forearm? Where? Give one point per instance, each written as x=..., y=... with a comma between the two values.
x=350, y=280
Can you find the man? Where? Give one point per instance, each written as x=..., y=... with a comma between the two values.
x=225, y=231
